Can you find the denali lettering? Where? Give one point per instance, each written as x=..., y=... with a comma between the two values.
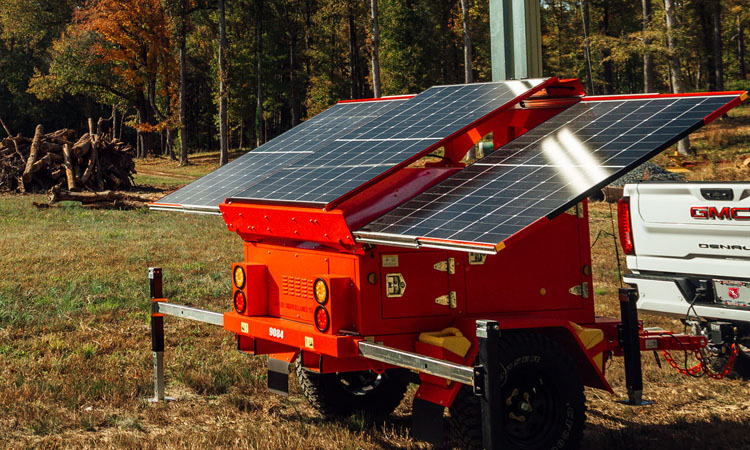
x=711, y=212
x=724, y=246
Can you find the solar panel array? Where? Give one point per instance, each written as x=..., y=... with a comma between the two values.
x=546, y=170
x=351, y=160
x=305, y=139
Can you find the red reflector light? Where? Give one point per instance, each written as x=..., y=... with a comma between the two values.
x=624, y=225
x=240, y=302
x=322, y=320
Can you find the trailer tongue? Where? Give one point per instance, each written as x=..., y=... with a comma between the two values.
x=373, y=252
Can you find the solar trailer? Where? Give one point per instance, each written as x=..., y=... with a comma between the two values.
x=376, y=256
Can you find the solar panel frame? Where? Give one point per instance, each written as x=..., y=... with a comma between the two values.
x=205, y=194
x=435, y=218
x=391, y=141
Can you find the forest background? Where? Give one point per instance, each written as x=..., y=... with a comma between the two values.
x=179, y=76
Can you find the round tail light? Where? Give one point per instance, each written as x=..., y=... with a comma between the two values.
x=240, y=302
x=322, y=319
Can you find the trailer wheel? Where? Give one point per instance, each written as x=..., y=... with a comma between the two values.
x=342, y=393
x=742, y=363
x=543, y=400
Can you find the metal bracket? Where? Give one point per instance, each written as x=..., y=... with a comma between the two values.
x=448, y=300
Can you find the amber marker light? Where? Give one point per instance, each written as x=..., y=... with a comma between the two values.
x=239, y=277
x=321, y=291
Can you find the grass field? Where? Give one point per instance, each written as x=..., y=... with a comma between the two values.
x=75, y=360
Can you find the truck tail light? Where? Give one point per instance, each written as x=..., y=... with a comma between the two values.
x=624, y=225
x=322, y=319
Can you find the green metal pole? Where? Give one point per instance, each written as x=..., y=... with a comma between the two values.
x=516, y=39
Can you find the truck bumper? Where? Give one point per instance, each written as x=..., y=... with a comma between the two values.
x=661, y=295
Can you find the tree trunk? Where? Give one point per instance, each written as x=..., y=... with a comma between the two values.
x=741, y=47
x=224, y=152
x=704, y=11
x=183, y=86
x=717, y=41
x=468, y=75
x=683, y=147
x=585, y=18
x=354, y=78
x=648, y=58
x=295, y=110
x=375, y=58
x=114, y=122
x=259, y=128
x=606, y=52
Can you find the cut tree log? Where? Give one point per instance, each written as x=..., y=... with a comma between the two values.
x=96, y=162
x=59, y=195
x=35, y=144
x=70, y=176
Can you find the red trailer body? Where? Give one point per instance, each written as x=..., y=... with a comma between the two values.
x=314, y=288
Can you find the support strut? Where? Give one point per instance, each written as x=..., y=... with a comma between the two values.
x=488, y=381
x=157, y=334
x=628, y=332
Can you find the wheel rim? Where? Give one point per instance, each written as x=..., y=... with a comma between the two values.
x=360, y=383
x=532, y=409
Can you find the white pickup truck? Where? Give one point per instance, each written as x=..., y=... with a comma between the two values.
x=687, y=246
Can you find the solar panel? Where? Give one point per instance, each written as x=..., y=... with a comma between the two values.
x=543, y=172
x=412, y=127
x=205, y=194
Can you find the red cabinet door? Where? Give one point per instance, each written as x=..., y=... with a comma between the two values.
x=415, y=284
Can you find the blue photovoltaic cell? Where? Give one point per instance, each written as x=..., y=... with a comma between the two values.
x=546, y=170
x=351, y=160
x=305, y=139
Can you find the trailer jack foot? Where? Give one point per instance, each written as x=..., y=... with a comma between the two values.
x=635, y=398
x=159, y=380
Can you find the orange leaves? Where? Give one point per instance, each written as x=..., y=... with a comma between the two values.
x=134, y=36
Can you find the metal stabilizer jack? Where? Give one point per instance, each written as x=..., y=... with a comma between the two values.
x=488, y=381
x=159, y=309
x=628, y=332
x=157, y=337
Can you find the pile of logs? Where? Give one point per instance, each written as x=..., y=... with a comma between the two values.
x=94, y=162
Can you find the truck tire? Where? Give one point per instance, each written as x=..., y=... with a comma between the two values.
x=543, y=401
x=342, y=393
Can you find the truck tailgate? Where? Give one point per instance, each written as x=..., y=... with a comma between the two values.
x=691, y=228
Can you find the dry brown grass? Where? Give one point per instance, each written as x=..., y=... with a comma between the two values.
x=75, y=361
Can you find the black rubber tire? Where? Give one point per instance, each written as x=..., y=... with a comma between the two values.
x=536, y=365
x=742, y=363
x=343, y=393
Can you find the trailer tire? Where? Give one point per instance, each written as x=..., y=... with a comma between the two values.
x=534, y=365
x=742, y=363
x=343, y=393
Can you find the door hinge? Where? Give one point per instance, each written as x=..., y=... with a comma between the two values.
x=580, y=289
x=446, y=266
x=447, y=300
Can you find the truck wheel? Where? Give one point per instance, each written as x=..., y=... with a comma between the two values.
x=342, y=393
x=543, y=400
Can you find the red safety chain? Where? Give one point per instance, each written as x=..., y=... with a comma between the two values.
x=702, y=366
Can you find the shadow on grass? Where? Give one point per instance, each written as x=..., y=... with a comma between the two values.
x=684, y=433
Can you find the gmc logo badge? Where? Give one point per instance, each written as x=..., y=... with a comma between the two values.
x=725, y=213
